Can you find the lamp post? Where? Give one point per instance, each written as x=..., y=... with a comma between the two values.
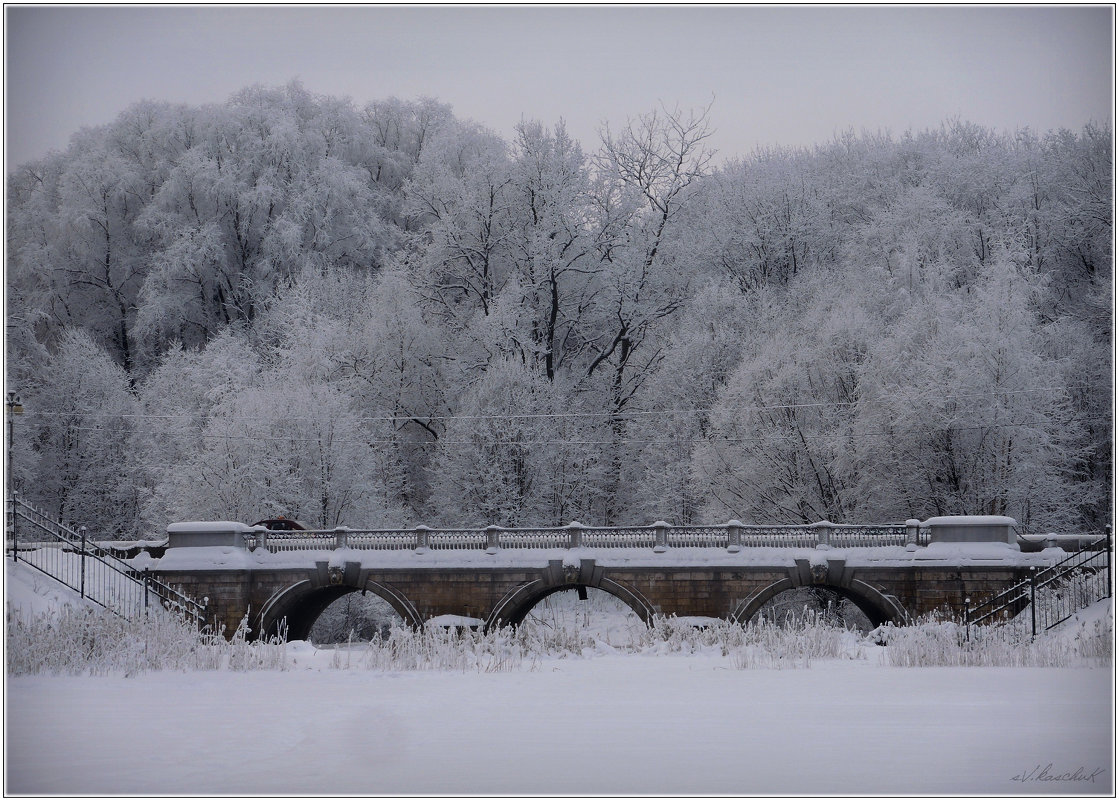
x=14, y=407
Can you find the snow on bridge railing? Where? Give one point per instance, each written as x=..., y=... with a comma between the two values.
x=632, y=537
x=854, y=536
x=731, y=536
x=456, y=540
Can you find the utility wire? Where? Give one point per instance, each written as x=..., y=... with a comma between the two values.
x=845, y=436
x=530, y=416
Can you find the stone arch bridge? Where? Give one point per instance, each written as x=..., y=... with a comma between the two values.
x=283, y=580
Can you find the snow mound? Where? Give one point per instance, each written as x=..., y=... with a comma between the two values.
x=28, y=592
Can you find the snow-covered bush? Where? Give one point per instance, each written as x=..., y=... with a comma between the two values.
x=935, y=643
x=91, y=641
x=760, y=644
x=437, y=649
x=81, y=640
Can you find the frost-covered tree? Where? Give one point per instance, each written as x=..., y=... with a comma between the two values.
x=81, y=413
x=780, y=432
x=514, y=454
x=80, y=261
x=552, y=246
x=396, y=134
x=673, y=415
x=644, y=177
x=366, y=337
x=176, y=402
x=391, y=273
x=961, y=413
x=760, y=222
x=459, y=199
x=282, y=449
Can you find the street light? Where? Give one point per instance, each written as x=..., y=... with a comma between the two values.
x=14, y=407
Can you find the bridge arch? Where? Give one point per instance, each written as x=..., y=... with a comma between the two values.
x=879, y=607
x=516, y=605
x=298, y=607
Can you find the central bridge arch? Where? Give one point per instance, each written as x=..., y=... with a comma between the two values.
x=296, y=608
x=516, y=605
x=879, y=607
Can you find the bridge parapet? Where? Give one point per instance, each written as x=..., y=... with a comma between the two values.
x=208, y=533
x=733, y=536
x=973, y=528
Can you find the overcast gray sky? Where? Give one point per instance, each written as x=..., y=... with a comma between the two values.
x=779, y=76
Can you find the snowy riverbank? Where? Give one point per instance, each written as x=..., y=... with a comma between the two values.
x=610, y=724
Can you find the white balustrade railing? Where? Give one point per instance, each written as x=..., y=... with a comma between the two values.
x=732, y=536
x=457, y=540
x=535, y=538
x=281, y=541
x=698, y=537
x=643, y=537
x=381, y=540
x=864, y=536
x=779, y=537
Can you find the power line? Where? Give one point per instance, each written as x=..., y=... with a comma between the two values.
x=533, y=415
x=843, y=436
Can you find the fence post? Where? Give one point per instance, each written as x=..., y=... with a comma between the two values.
x=574, y=534
x=1107, y=531
x=423, y=538
x=82, y=530
x=967, y=618
x=340, y=538
x=15, y=536
x=1033, y=601
x=146, y=582
x=734, y=536
x=662, y=536
x=492, y=543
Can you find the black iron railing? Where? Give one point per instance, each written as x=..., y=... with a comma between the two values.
x=1052, y=594
x=67, y=556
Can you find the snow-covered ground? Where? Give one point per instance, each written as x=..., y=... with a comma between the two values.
x=27, y=591
x=602, y=723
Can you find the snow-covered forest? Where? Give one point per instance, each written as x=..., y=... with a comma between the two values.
x=387, y=315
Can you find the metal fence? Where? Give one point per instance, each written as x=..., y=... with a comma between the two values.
x=1052, y=594
x=70, y=558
